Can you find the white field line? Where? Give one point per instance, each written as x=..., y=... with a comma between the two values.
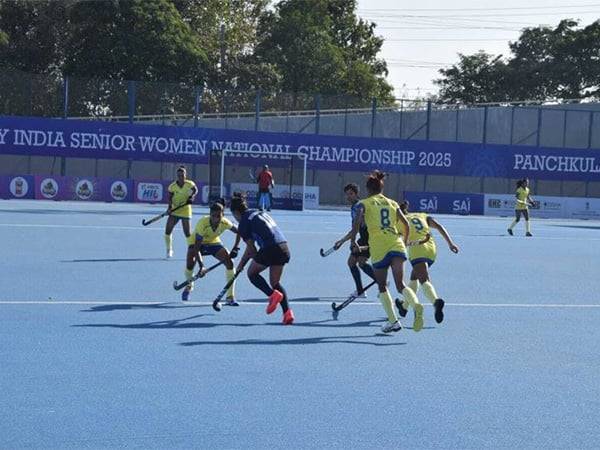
x=307, y=303
x=323, y=232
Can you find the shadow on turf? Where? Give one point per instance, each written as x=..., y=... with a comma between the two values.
x=118, y=260
x=300, y=341
x=130, y=306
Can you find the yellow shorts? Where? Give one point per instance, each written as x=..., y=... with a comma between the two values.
x=422, y=253
x=183, y=213
x=382, y=253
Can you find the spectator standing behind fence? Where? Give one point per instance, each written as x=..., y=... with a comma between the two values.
x=265, y=184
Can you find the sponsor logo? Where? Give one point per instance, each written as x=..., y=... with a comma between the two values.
x=462, y=206
x=19, y=187
x=150, y=192
x=49, y=188
x=118, y=190
x=495, y=203
x=549, y=206
x=428, y=204
x=84, y=189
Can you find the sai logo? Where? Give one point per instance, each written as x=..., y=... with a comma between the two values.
x=150, y=192
x=429, y=204
x=49, y=188
x=462, y=206
x=84, y=189
x=118, y=191
x=19, y=187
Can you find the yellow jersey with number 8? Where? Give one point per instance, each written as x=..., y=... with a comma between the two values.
x=384, y=229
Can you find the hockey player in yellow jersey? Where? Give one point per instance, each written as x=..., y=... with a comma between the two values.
x=422, y=256
x=182, y=193
x=205, y=241
x=522, y=204
x=388, y=234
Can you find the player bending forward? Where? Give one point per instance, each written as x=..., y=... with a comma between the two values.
x=206, y=241
x=382, y=217
x=422, y=256
x=258, y=228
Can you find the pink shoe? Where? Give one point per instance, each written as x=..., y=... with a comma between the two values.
x=274, y=300
x=288, y=317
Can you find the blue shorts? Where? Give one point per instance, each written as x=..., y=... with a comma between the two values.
x=416, y=261
x=387, y=259
x=211, y=249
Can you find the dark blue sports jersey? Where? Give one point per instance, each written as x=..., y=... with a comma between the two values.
x=354, y=213
x=261, y=228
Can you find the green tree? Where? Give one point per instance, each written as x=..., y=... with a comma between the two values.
x=477, y=78
x=545, y=64
x=320, y=46
x=133, y=40
x=32, y=33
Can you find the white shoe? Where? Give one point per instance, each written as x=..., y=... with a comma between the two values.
x=390, y=327
x=357, y=295
x=169, y=253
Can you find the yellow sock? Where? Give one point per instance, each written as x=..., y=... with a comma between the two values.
x=386, y=300
x=409, y=296
x=512, y=225
x=527, y=226
x=229, y=275
x=189, y=274
x=414, y=285
x=169, y=241
x=429, y=291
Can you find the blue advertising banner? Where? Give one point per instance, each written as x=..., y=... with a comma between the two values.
x=445, y=202
x=17, y=186
x=90, y=139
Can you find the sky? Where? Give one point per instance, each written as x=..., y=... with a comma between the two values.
x=423, y=36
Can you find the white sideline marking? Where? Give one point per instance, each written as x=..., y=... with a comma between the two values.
x=313, y=303
x=137, y=228
x=303, y=232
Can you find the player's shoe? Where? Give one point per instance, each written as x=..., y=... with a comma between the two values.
x=169, y=253
x=274, y=300
x=231, y=302
x=185, y=295
x=439, y=310
x=355, y=294
x=418, y=323
x=528, y=234
x=510, y=231
x=401, y=309
x=390, y=327
x=288, y=317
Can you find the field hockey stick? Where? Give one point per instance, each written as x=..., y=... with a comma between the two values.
x=179, y=286
x=160, y=216
x=327, y=252
x=350, y=299
x=217, y=301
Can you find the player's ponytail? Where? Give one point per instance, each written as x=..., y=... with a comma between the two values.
x=404, y=206
x=238, y=203
x=375, y=182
